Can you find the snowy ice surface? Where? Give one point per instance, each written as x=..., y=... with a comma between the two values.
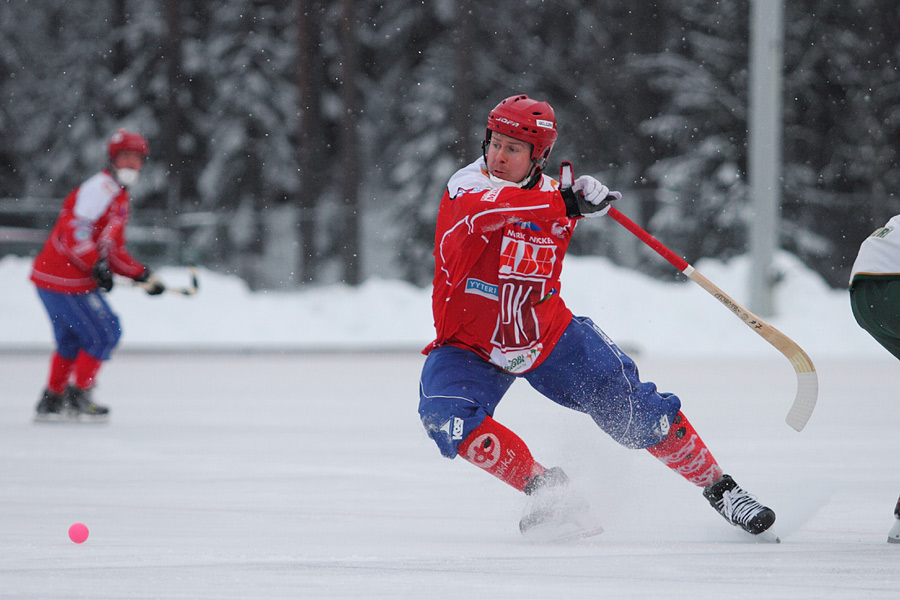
x=277, y=469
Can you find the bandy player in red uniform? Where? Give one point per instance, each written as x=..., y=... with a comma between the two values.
x=84, y=249
x=503, y=229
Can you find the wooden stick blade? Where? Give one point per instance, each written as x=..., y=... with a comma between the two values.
x=807, y=380
x=805, y=400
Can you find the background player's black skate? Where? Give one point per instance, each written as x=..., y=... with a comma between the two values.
x=81, y=406
x=50, y=408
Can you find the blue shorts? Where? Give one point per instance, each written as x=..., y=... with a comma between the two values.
x=585, y=371
x=82, y=322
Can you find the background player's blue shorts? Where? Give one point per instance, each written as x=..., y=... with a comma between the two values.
x=82, y=322
x=585, y=371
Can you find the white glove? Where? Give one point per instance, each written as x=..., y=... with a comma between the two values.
x=597, y=196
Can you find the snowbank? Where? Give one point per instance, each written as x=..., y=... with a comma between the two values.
x=641, y=314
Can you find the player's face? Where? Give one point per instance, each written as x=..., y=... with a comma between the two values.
x=508, y=159
x=129, y=159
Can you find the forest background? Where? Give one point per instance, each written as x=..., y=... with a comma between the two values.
x=298, y=142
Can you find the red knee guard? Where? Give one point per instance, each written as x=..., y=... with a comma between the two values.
x=86, y=367
x=501, y=453
x=685, y=453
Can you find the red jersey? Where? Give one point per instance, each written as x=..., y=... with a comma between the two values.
x=91, y=225
x=498, y=256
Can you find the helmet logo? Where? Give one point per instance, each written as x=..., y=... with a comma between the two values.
x=507, y=121
x=545, y=124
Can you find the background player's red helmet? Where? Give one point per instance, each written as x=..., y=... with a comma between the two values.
x=528, y=120
x=127, y=140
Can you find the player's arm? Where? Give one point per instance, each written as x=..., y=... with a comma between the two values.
x=74, y=239
x=491, y=209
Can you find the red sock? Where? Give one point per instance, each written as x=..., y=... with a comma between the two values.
x=60, y=370
x=86, y=367
x=685, y=453
x=501, y=453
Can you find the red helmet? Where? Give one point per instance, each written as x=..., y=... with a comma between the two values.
x=127, y=140
x=528, y=120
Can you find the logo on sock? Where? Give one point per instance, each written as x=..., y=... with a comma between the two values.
x=484, y=451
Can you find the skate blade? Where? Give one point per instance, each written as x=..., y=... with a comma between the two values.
x=548, y=534
x=86, y=419
x=49, y=418
x=59, y=418
x=767, y=537
x=561, y=530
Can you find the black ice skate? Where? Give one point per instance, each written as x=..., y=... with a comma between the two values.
x=739, y=507
x=50, y=408
x=81, y=406
x=894, y=534
x=556, y=512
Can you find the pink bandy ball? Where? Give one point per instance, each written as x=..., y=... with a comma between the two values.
x=78, y=533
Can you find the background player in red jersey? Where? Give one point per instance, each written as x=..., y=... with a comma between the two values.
x=84, y=249
x=503, y=229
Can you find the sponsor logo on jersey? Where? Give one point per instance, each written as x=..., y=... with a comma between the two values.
x=82, y=231
x=881, y=233
x=527, y=225
x=526, y=258
x=516, y=361
x=491, y=195
x=559, y=230
x=468, y=190
x=529, y=237
x=482, y=288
